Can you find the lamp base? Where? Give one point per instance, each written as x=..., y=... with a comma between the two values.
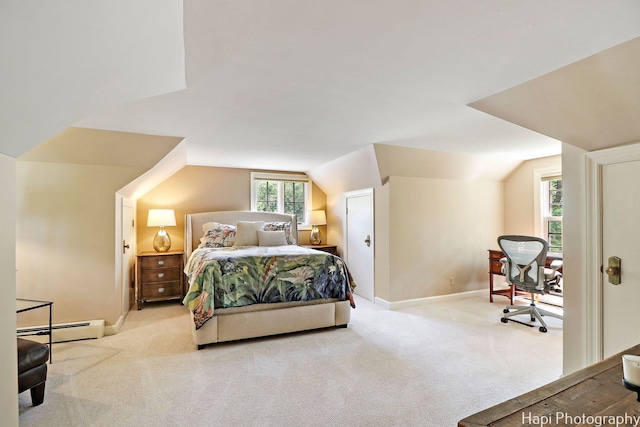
x=162, y=241
x=315, y=237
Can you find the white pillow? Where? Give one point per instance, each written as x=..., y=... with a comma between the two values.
x=247, y=233
x=284, y=226
x=272, y=238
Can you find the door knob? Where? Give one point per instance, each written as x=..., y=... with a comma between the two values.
x=368, y=240
x=125, y=246
x=613, y=270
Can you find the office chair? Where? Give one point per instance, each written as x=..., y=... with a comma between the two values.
x=524, y=268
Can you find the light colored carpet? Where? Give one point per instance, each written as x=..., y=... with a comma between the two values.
x=430, y=365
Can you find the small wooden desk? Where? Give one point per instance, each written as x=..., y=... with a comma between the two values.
x=596, y=390
x=495, y=267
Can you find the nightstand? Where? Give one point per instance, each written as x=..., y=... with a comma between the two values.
x=332, y=249
x=159, y=276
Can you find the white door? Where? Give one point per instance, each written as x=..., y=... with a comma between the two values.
x=128, y=258
x=359, y=241
x=621, y=238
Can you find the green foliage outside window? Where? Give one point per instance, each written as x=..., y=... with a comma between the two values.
x=555, y=197
x=554, y=232
x=294, y=197
x=267, y=200
x=555, y=236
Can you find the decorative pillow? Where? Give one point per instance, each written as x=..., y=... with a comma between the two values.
x=247, y=233
x=271, y=238
x=217, y=235
x=213, y=225
x=281, y=226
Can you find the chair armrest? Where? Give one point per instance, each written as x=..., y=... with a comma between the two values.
x=504, y=269
x=542, y=282
x=556, y=264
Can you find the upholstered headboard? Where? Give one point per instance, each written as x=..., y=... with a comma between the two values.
x=193, y=224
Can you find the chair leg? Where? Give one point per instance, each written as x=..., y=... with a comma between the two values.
x=537, y=315
x=37, y=394
x=549, y=313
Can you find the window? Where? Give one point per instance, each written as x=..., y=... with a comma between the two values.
x=282, y=193
x=552, y=212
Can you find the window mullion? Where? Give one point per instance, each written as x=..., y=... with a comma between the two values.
x=280, y=196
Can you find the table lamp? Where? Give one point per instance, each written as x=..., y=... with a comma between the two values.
x=161, y=218
x=316, y=218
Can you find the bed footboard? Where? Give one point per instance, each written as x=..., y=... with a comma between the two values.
x=252, y=324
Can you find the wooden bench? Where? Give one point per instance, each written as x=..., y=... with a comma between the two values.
x=581, y=398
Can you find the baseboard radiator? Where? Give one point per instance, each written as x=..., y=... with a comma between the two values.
x=74, y=331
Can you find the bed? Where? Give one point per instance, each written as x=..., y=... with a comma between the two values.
x=241, y=287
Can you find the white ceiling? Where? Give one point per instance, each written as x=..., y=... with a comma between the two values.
x=593, y=103
x=63, y=60
x=321, y=79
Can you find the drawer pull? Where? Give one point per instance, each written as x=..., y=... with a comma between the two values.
x=160, y=289
x=160, y=275
x=160, y=262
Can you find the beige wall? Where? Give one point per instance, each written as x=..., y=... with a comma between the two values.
x=414, y=257
x=66, y=239
x=428, y=230
x=420, y=163
x=520, y=188
x=202, y=189
x=440, y=229
x=9, y=365
x=335, y=208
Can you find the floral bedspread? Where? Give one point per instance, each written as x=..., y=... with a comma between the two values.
x=239, y=276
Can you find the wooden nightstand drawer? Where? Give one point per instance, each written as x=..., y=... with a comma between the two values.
x=161, y=261
x=152, y=275
x=162, y=290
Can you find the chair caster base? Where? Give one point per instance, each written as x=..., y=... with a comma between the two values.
x=506, y=310
x=543, y=329
x=504, y=320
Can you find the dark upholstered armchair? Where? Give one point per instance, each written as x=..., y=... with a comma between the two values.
x=32, y=369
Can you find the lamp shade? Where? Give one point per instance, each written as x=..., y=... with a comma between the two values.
x=161, y=218
x=318, y=218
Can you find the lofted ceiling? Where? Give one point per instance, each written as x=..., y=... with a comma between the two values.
x=101, y=147
x=294, y=84
x=593, y=103
x=319, y=79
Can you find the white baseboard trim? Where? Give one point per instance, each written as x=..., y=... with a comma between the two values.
x=62, y=332
x=114, y=329
x=397, y=305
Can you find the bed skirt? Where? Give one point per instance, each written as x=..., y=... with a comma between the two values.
x=261, y=320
